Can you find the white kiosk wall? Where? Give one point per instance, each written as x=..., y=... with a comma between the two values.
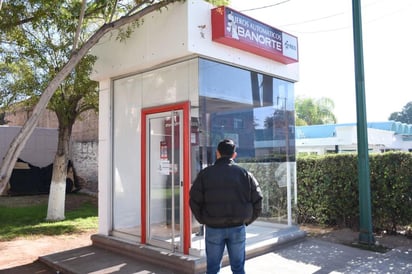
x=171, y=84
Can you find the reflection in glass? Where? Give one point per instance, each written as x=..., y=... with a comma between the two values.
x=126, y=116
x=164, y=160
x=257, y=112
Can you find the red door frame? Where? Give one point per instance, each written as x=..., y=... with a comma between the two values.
x=185, y=106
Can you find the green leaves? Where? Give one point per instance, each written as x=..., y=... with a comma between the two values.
x=311, y=111
x=219, y=2
x=404, y=116
x=38, y=41
x=328, y=190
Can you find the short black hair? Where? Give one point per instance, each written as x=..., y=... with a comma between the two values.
x=226, y=148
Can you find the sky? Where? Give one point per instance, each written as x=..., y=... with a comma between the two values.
x=326, y=50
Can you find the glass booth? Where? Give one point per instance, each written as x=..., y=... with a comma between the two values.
x=174, y=117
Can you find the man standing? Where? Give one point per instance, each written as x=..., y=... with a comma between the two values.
x=226, y=198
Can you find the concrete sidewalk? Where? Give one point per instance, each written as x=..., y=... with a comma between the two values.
x=308, y=256
x=317, y=256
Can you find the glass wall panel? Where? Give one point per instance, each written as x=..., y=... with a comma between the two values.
x=257, y=112
x=127, y=100
x=169, y=84
x=166, y=85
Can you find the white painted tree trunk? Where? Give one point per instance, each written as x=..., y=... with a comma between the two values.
x=57, y=195
x=57, y=200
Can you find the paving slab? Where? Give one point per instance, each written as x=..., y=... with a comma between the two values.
x=308, y=256
x=317, y=256
x=96, y=260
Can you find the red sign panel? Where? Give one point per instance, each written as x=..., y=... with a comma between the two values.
x=237, y=30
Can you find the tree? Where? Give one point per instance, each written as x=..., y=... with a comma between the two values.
x=119, y=16
x=2, y=120
x=114, y=15
x=404, y=116
x=43, y=43
x=75, y=95
x=310, y=111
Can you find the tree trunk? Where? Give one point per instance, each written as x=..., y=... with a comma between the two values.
x=21, y=139
x=55, y=210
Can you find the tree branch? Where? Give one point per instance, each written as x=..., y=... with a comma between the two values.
x=21, y=139
x=79, y=26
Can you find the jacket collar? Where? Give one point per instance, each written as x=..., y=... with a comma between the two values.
x=224, y=160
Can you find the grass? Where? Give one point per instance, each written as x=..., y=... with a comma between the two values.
x=30, y=221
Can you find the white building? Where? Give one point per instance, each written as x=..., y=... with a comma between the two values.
x=333, y=138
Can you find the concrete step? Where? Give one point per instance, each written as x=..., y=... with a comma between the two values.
x=108, y=254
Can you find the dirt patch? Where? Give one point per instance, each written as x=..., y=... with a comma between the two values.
x=349, y=237
x=73, y=200
x=24, y=251
x=20, y=255
x=23, y=201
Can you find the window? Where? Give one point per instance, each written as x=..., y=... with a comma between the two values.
x=257, y=112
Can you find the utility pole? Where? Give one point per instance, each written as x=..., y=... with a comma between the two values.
x=365, y=233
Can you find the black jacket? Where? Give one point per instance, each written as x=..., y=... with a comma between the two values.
x=225, y=195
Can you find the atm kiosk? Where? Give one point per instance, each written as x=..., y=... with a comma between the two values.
x=188, y=77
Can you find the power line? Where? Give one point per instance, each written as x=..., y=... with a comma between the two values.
x=265, y=7
x=327, y=17
x=316, y=19
x=370, y=21
x=298, y=23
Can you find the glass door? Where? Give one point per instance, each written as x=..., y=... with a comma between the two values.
x=165, y=180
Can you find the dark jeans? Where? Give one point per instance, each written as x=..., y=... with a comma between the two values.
x=234, y=239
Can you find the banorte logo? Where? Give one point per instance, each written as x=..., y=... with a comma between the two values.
x=231, y=26
x=290, y=46
x=250, y=35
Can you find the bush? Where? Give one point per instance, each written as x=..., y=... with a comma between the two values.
x=328, y=190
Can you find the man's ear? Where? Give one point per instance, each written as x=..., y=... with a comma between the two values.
x=234, y=155
x=218, y=154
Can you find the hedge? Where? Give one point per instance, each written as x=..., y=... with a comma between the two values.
x=328, y=190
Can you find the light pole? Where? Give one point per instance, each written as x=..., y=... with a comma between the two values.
x=365, y=215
